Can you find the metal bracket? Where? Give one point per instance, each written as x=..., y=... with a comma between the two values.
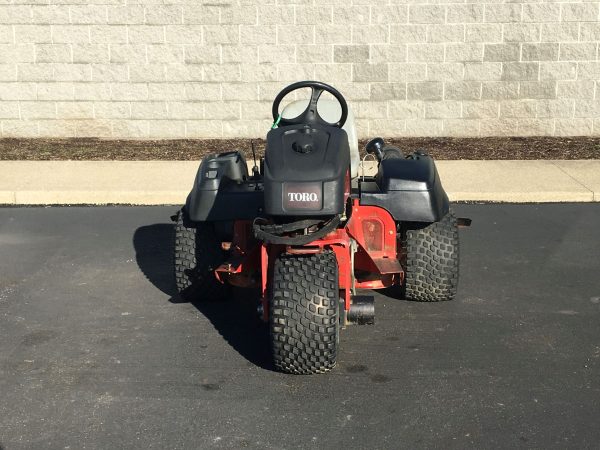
x=362, y=165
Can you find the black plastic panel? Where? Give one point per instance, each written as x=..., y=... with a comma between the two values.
x=306, y=155
x=409, y=189
x=222, y=190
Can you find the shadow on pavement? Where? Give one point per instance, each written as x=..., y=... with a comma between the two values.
x=154, y=252
x=235, y=319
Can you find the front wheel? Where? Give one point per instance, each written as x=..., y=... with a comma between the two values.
x=431, y=261
x=304, y=313
x=197, y=254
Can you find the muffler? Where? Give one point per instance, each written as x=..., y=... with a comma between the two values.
x=362, y=310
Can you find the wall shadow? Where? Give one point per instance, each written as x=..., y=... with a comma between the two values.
x=235, y=319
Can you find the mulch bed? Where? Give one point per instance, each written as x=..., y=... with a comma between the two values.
x=189, y=149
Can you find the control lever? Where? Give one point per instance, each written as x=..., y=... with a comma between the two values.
x=255, y=169
x=375, y=147
x=381, y=151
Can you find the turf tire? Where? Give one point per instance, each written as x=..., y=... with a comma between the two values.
x=197, y=254
x=304, y=313
x=431, y=261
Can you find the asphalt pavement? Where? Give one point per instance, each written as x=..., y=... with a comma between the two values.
x=97, y=352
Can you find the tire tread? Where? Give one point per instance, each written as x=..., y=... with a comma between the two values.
x=304, y=311
x=432, y=261
x=197, y=253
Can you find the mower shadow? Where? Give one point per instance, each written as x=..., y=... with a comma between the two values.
x=235, y=319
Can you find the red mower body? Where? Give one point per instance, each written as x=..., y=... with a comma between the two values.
x=366, y=251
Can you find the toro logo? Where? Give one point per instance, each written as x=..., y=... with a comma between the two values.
x=302, y=196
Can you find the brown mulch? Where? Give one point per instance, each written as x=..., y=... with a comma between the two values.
x=189, y=149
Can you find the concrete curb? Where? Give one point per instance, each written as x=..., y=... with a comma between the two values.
x=168, y=182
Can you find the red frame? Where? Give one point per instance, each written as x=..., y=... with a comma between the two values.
x=251, y=259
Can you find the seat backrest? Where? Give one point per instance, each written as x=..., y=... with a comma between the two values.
x=330, y=111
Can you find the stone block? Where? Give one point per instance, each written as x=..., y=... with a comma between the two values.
x=538, y=89
x=408, y=34
x=412, y=72
x=387, y=53
x=74, y=110
x=370, y=72
x=428, y=53
x=480, y=109
x=580, y=12
x=464, y=52
x=445, y=71
x=517, y=71
x=420, y=13
x=483, y=32
x=463, y=90
x=38, y=110
x=540, y=52
x=446, y=33
x=163, y=14
x=573, y=127
x=541, y=12
x=430, y=90
x=522, y=32
x=502, y=12
x=487, y=71
x=351, y=53
x=443, y=110
x=582, y=51
x=465, y=13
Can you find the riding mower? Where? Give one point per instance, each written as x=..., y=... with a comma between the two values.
x=307, y=231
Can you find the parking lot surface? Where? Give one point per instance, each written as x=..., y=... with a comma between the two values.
x=97, y=352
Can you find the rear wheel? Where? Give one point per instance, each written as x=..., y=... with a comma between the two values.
x=431, y=261
x=304, y=313
x=197, y=254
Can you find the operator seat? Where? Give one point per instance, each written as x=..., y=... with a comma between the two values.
x=330, y=111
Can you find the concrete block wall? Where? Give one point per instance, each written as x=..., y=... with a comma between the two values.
x=140, y=69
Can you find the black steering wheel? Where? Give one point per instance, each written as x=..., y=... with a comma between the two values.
x=310, y=115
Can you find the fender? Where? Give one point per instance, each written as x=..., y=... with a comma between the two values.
x=410, y=189
x=223, y=190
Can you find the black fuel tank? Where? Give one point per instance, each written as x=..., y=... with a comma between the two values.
x=223, y=191
x=410, y=189
x=305, y=170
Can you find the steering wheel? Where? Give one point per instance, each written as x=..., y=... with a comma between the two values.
x=310, y=115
